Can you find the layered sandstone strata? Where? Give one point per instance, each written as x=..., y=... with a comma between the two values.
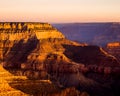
x=40, y=52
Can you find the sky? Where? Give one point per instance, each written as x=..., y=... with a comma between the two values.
x=60, y=11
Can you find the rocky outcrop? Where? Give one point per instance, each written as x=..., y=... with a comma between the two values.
x=113, y=44
x=113, y=48
x=24, y=26
x=11, y=85
x=12, y=33
x=43, y=53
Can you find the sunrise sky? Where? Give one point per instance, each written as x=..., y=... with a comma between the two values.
x=60, y=11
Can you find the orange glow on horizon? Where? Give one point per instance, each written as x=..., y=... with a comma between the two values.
x=60, y=11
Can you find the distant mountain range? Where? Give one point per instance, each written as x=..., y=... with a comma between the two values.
x=91, y=33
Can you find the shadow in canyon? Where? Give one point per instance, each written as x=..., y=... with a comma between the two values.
x=96, y=62
x=88, y=55
x=18, y=53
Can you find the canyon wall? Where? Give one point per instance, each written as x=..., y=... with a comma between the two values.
x=17, y=31
x=40, y=52
x=11, y=33
x=113, y=48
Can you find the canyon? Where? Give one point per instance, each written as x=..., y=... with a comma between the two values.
x=92, y=33
x=37, y=54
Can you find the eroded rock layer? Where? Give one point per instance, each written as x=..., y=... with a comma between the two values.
x=114, y=49
x=41, y=52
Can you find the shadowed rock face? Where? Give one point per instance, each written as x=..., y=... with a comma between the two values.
x=40, y=55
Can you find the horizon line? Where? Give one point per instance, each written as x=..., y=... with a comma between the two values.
x=58, y=22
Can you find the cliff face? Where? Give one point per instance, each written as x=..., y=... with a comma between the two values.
x=25, y=30
x=39, y=51
x=113, y=48
x=12, y=33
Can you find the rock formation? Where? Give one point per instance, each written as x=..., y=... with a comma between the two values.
x=41, y=52
x=113, y=48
